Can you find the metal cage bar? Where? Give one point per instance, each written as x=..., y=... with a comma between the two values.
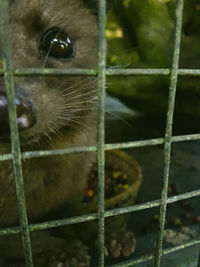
x=151, y=256
x=101, y=126
x=94, y=72
x=94, y=216
x=14, y=135
x=8, y=72
x=127, y=145
x=168, y=133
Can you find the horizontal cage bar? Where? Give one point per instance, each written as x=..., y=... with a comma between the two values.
x=94, y=72
x=94, y=216
x=101, y=72
x=89, y=72
x=150, y=257
x=124, y=145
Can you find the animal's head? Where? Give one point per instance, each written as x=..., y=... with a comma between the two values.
x=52, y=34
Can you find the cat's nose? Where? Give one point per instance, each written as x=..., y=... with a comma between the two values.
x=26, y=116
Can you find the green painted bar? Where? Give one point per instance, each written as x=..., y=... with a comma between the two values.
x=101, y=126
x=127, y=72
x=151, y=204
x=94, y=216
x=16, y=154
x=188, y=72
x=51, y=224
x=150, y=257
x=133, y=262
x=101, y=73
x=56, y=72
x=125, y=145
x=88, y=72
x=94, y=72
x=168, y=132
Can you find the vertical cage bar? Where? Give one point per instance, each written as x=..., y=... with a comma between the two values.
x=16, y=154
x=101, y=123
x=168, y=132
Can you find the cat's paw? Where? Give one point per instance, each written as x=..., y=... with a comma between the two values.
x=120, y=244
x=74, y=256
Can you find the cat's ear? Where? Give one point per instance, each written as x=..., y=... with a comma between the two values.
x=93, y=4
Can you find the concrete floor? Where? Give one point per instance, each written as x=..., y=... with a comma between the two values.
x=184, y=173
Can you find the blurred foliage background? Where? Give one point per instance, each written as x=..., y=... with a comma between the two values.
x=140, y=34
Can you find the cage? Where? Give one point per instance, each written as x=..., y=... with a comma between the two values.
x=167, y=140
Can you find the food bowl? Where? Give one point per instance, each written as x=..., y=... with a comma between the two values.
x=123, y=166
x=123, y=177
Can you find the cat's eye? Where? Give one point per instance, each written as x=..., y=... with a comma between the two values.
x=56, y=43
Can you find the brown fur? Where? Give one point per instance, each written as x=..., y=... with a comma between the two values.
x=65, y=108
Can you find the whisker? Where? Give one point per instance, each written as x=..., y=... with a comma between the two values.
x=47, y=55
x=56, y=132
x=78, y=83
x=91, y=101
x=117, y=116
x=84, y=94
x=48, y=136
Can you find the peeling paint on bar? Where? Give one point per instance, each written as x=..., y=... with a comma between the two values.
x=101, y=126
x=8, y=72
x=16, y=155
x=168, y=132
x=94, y=72
x=94, y=216
x=150, y=257
x=125, y=145
x=124, y=72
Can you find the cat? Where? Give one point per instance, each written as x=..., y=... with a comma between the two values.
x=53, y=112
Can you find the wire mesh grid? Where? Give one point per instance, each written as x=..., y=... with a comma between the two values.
x=101, y=72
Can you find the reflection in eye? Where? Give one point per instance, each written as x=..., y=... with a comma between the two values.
x=57, y=44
